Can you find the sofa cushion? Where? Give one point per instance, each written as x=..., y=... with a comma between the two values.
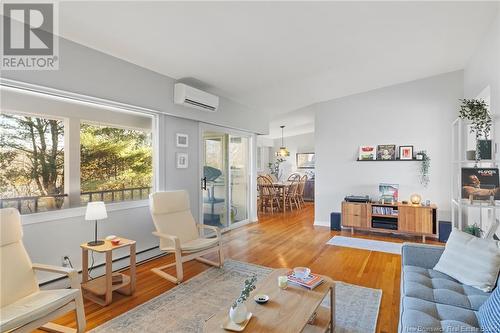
x=489, y=313
x=435, y=286
x=418, y=315
x=471, y=260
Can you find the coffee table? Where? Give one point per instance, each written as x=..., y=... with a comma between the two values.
x=287, y=310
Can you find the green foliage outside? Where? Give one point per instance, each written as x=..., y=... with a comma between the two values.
x=114, y=158
x=32, y=157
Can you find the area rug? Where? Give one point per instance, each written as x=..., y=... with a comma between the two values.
x=366, y=244
x=186, y=307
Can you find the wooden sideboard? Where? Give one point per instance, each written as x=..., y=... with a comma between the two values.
x=395, y=218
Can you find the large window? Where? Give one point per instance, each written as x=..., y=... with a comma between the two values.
x=31, y=163
x=116, y=163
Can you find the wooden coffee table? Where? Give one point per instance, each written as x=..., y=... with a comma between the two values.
x=287, y=310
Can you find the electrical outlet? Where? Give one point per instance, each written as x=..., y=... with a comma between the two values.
x=65, y=261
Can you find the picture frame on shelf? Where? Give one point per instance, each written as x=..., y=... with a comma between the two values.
x=406, y=153
x=182, y=140
x=389, y=193
x=181, y=160
x=367, y=153
x=480, y=183
x=386, y=152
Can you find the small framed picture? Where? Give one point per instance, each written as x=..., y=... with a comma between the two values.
x=367, y=153
x=182, y=140
x=181, y=160
x=386, y=152
x=405, y=152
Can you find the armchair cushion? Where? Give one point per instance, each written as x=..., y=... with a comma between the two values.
x=199, y=244
x=169, y=202
x=34, y=306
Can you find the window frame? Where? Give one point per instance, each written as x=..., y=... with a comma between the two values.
x=69, y=97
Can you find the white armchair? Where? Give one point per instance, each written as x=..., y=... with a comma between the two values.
x=179, y=233
x=23, y=306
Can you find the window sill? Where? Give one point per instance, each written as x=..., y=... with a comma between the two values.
x=78, y=212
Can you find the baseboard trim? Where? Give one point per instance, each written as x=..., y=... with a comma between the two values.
x=322, y=223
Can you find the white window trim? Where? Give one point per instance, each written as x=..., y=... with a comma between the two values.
x=61, y=214
x=72, y=212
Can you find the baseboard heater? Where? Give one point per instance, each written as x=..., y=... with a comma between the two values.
x=384, y=224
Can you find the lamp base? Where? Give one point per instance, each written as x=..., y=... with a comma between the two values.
x=95, y=243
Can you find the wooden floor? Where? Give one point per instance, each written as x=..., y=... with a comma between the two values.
x=279, y=240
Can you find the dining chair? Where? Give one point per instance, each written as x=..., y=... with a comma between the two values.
x=269, y=195
x=291, y=194
x=293, y=176
x=300, y=190
x=179, y=234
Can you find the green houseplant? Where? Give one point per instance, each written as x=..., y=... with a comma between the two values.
x=476, y=111
x=424, y=169
x=473, y=230
x=238, y=311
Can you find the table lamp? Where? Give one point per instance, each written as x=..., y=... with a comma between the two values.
x=96, y=210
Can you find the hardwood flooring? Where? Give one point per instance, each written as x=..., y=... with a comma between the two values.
x=279, y=240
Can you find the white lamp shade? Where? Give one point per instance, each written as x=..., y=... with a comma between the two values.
x=96, y=210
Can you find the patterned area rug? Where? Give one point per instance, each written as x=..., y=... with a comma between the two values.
x=366, y=244
x=186, y=307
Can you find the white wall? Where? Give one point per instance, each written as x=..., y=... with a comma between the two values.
x=417, y=113
x=303, y=143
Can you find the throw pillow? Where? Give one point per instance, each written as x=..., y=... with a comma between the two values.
x=489, y=313
x=471, y=260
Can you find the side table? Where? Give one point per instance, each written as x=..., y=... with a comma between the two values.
x=100, y=290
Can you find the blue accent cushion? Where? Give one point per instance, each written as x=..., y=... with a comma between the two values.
x=489, y=313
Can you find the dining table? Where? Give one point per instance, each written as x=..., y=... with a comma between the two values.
x=282, y=188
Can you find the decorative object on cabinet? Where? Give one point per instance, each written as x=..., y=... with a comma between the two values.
x=367, y=153
x=406, y=152
x=386, y=152
x=305, y=160
x=388, y=192
x=181, y=160
x=415, y=199
x=181, y=140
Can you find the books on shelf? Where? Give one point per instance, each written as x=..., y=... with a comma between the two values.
x=310, y=282
x=379, y=210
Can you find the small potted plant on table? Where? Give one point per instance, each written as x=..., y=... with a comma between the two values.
x=238, y=312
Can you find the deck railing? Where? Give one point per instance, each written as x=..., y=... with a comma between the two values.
x=42, y=203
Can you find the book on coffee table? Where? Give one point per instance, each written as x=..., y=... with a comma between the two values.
x=310, y=282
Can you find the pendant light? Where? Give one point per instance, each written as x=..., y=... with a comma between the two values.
x=283, y=152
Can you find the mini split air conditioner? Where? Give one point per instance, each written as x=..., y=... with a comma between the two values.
x=195, y=98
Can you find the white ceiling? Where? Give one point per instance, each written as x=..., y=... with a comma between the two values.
x=281, y=56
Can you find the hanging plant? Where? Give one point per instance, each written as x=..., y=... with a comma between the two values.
x=425, y=166
x=476, y=111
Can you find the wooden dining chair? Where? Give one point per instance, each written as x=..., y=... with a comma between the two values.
x=300, y=190
x=291, y=194
x=269, y=195
x=293, y=176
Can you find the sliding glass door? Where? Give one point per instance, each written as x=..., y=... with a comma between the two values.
x=225, y=189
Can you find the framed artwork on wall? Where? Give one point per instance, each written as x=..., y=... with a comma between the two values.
x=367, y=153
x=386, y=152
x=181, y=140
x=181, y=160
x=406, y=152
x=305, y=160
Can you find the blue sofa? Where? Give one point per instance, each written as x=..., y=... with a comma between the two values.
x=432, y=301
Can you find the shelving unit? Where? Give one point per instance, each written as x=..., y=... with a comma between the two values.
x=461, y=209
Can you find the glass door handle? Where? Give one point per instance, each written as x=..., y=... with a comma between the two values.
x=204, y=183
